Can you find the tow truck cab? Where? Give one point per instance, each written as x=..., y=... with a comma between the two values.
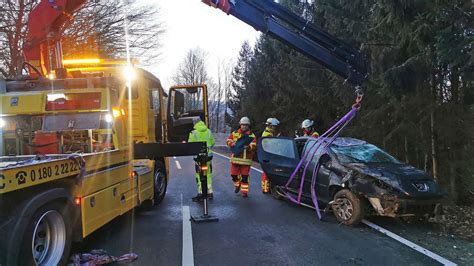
x=67, y=163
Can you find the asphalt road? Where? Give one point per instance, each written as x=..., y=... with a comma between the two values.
x=257, y=230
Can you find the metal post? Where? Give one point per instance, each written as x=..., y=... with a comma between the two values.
x=202, y=160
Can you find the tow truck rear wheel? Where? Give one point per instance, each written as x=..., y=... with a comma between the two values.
x=347, y=207
x=160, y=182
x=48, y=236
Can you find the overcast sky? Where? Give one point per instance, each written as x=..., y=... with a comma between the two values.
x=189, y=24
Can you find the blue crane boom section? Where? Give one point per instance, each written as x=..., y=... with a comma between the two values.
x=278, y=21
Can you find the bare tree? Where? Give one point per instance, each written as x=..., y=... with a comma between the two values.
x=96, y=30
x=13, y=33
x=224, y=83
x=193, y=69
x=99, y=30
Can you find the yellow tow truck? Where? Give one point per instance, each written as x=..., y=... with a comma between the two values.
x=75, y=154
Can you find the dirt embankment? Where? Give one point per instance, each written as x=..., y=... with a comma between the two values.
x=456, y=220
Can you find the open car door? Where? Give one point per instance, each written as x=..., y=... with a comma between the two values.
x=278, y=157
x=186, y=104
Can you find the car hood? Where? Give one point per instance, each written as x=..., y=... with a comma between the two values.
x=406, y=178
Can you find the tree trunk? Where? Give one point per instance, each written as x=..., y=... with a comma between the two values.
x=406, y=150
x=435, y=77
x=218, y=108
x=434, y=154
x=426, y=162
x=452, y=179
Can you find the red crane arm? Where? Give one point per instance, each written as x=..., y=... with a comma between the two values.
x=44, y=24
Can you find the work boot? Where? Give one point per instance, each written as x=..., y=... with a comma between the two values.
x=210, y=195
x=245, y=195
x=237, y=189
x=198, y=197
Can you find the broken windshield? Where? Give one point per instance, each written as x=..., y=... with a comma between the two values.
x=366, y=153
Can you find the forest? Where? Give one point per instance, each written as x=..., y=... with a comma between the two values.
x=419, y=97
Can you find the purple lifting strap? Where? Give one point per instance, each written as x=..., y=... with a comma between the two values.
x=330, y=134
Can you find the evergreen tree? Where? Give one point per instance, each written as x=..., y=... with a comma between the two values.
x=419, y=97
x=238, y=85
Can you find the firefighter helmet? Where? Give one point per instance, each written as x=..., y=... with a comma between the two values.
x=244, y=121
x=307, y=123
x=272, y=122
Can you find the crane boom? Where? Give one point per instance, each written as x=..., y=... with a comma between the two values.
x=44, y=24
x=278, y=21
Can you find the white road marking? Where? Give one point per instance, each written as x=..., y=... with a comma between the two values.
x=174, y=157
x=188, y=255
x=389, y=234
x=222, y=155
x=178, y=165
x=409, y=244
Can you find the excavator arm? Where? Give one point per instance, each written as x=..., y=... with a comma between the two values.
x=278, y=21
x=44, y=25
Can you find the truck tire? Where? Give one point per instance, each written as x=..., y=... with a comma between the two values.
x=48, y=236
x=347, y=207
x=160, y=183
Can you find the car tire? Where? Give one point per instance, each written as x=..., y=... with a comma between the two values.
x=48, y=236
x=347, y=207
x=160, y=183
x=274, y=192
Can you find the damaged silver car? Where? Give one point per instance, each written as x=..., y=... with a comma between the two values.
x=355, y=178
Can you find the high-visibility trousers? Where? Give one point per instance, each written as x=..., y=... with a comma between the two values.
x=265, y=183
x=240, y=176
x=209, y=178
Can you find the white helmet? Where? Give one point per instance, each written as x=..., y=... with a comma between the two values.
x=307, y=123
x=244, y=120
x=272, y=122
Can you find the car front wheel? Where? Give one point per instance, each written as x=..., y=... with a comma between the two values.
x=347, y=207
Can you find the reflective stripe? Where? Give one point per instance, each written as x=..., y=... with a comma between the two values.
x=240, y=161
x=195, y=135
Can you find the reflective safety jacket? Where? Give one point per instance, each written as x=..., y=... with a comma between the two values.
x=202, y=133
x=244, y=158
x=313, y=134
x=268, y=132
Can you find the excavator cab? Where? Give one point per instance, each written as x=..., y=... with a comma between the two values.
x=186, y=105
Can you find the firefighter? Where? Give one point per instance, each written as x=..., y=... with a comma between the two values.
x=269, y=131
x=202, y=133
x=308, y=129
x=243, y=144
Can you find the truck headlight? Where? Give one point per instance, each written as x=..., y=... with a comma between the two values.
x=3, y=123
x=108, y=118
